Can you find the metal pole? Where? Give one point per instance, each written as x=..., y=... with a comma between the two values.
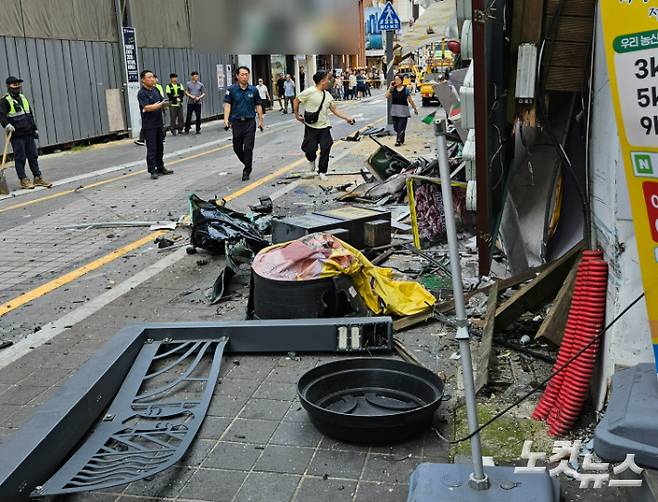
x=478, y=479
x=389, y=77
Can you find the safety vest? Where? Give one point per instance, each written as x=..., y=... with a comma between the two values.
x=159, y=88
x=25, y=105
x=175, y=89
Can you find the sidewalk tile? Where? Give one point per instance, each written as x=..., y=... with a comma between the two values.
x=232, y=456
x=278, y=487
x=214, y=485
x=265, y=409
x=338, y=464
x=250, y=431
x=325, y=490
x=381, y=492
x=284, y=459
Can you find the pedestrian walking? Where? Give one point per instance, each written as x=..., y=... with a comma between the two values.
x=352, y=83
x=264, y=94
x=241, y=105
x=289, y=92
x=400, y=101
x=175, y=93
x=280, y=90
x=151, y=104
x=317, y=128
x=17, y=118
x=195, y=92
x=302, y=78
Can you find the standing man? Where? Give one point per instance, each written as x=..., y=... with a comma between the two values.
x=195, y=92
x=141, y=141
x=346, y=84
x=151, y=105
x=241, y=104
x=302, y=78
x=175, y=93
x=317, y=131
x=289, y=92
x=280, y=90
x=16, y=116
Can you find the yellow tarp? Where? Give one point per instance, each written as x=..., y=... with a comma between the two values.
x=323, y=255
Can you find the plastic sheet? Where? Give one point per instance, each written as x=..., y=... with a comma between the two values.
x=322, y=255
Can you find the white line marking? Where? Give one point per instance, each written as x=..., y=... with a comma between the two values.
x=52, y=329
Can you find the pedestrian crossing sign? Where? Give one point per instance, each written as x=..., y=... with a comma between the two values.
x=389, y=20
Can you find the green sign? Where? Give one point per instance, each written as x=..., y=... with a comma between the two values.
x=636, y=41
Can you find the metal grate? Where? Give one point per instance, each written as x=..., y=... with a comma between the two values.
x=151, y=422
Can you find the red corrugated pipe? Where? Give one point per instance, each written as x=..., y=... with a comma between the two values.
x=565, y=394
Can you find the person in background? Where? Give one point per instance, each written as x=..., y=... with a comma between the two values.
x=318, y=102
x=302, y=78
x=352, y=85
x=400, y=101
x=346, y=84
x=367, y=84
x=280, y=90
x=289, y=92
x=151, y=105
x=241, y=105
x=361, y=84
x=195, y=92
x=175, y=93
x=17, y=118
x=338, y=87
x=264, y=94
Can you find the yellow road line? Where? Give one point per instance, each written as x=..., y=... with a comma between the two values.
x=57, y=195
x=48, y=287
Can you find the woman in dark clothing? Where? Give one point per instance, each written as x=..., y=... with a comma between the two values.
x=400, y=101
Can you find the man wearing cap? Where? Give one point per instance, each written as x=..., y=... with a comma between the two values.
x=16, y=116
x=175, y=93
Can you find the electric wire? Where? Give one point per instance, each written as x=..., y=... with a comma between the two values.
x=545, y=381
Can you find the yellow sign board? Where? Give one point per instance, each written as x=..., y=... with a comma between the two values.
x=631, y=41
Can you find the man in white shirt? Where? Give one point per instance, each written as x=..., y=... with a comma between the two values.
x=317, y=129
x=264, y=94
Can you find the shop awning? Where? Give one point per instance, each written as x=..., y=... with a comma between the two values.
x=437, y=19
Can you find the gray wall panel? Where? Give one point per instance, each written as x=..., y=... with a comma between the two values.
x=95, y=107
x=46, y=96
x=83, y=90
x=58, y=91
x=71, y=94
x=66, y=80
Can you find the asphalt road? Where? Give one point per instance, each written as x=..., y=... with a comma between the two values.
x=46, y=272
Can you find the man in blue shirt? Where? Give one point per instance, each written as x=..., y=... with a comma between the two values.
x=151, y=104
x=241, y=105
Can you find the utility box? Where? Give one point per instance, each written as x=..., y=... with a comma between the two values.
x=348, y=223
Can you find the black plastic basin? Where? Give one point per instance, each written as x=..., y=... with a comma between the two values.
x=370, y=400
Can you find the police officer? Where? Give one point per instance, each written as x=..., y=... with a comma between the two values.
x=175, y=93
x=16, y=116
x=142, y=139
x=241, y=104
x=151, y=104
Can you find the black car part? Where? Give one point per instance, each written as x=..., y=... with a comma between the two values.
x=370, y=400
x=310, y=299
x=149, y=424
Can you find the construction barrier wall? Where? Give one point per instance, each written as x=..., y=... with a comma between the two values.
x=68, y=54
